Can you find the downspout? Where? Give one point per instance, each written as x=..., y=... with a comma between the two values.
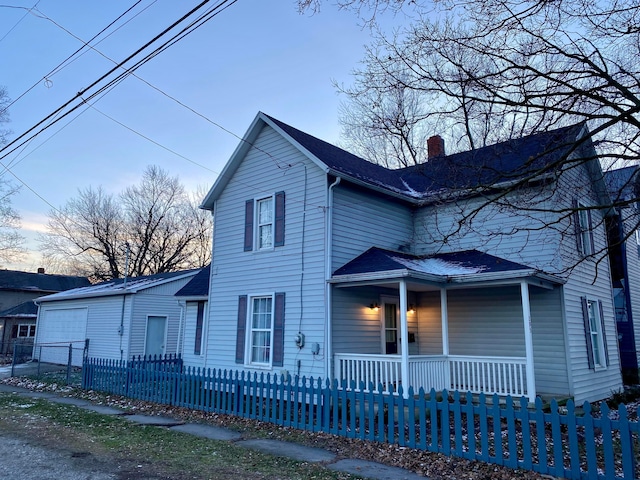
x=183, y=313
x=329, y=252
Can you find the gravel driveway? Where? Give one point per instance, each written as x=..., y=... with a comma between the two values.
x=25, y=461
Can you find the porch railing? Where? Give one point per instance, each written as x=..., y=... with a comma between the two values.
x=476, y=374
x=501, y=375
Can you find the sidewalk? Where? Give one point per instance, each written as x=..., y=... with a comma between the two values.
x=371, y=470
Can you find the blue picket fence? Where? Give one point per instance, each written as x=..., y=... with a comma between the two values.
x=572, y=442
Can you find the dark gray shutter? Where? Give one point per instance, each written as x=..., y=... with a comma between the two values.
x=278, y=331
x=278, y=240
x=576, y=224
x=248, y=225
x=197, y=348
x=242, y=325
x=587, y=332
x=604, y=335
x=591, y=241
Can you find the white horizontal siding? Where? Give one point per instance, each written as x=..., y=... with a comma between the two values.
x=480, y=223
x=430, y=323
x=145, y=305
x=362, y=220
x=588, y=277
x=190, y=319
x=486, y=321
x=104, y=315
x=273, y=165
x=549, y=354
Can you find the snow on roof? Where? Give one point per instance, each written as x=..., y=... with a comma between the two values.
x=436, y=266
x=117, y=286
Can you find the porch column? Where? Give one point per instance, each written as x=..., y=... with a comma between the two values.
x=528, y=341
x=444, y=315
x=404, y=335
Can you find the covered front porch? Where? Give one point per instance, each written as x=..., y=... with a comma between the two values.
x=456, y=321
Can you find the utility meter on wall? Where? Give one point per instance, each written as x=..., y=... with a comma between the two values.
x=299, y=339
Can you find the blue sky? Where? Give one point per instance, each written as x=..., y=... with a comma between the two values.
x=255, y=56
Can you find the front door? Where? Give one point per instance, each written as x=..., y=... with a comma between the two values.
x=156, y=329
x=390, y=326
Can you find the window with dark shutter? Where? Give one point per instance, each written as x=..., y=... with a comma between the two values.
x=248, y=225
x=593, y=316
x=242, y=325
x=197, y=347
x=279, y=220
x=587, y=332
x=604, y=334
x=278, y=331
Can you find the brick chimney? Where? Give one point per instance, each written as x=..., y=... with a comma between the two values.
x=435, y=147
x=40, y=270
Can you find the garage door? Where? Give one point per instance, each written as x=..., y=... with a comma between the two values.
x=57, y=328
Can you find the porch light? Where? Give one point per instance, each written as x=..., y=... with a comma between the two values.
x=374, y=306
x=412, y=309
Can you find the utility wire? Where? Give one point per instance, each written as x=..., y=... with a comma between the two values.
x=66, y=61
x=19, y=21
x=10, y=146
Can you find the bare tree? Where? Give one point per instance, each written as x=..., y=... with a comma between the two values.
x=156, y=223
x=4, y=113
x=11, y=240
x=480, y=72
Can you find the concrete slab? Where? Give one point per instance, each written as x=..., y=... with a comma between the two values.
x=4, y=388
x=104, y=410
x=375, y=471
x=155, y=420
x=70, y=401
x=207, y=431
x=289, y=450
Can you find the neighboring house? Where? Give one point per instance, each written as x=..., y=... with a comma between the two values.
x=328, y=266
x=18, y=312
x=117, y=319
x=193, y=299
x=624, y=256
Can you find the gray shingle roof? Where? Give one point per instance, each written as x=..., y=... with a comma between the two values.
x=22, y=310
x=480, y=168
x=442, y=264
x=39, y=282
x=198, y=286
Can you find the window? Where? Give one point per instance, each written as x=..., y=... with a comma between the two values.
x=26, y=331
x=264, y=223
x=198, y=347
x=597, y=354
x=260, y=328
x=260, y=340
x=584, y=229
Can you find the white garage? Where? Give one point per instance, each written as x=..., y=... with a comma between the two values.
x=115, y=320
x=57, y=328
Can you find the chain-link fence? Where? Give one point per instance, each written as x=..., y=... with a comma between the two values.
x=62, y=360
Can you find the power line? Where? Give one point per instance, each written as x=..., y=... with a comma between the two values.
x=19, y=21
x=67, y=60
x=10, y=146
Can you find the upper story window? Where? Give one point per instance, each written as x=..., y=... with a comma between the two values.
x=264, y=218
x=597, y=354
x=264, y=223
x=584, y=229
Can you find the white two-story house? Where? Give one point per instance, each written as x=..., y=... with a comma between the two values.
x=474, y=271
